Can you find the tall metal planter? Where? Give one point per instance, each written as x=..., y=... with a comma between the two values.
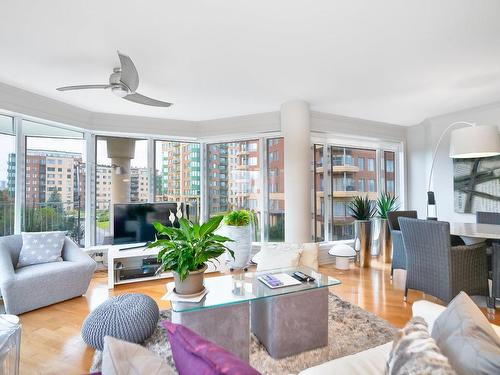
x=385, y=241
x=376, y=238
x=362, y=242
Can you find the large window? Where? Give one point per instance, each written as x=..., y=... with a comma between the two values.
x=122, y=176
x=54, y=187
x=177, y=174
x=319, y=193
x=352, y=172
x=54, y=180
x=348, y=180
x=233, y=178
x=389, y=177
x=276, y=189
x=7, y=175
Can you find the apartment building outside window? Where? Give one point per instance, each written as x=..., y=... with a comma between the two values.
x=351, y=172
x=361, y=163
x=319, y=193
x=276, y=189
x=7, y=175
x=178, y=164
x=54, y=201
x=371, y=164
x=389, y=178
x=234, y=180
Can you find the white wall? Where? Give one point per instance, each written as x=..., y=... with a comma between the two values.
x=348, y=126
x=239, y=126
x=421, y=141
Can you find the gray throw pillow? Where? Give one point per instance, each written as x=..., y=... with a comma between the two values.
x=414, y=351
x=41, y=247
x=466, y=337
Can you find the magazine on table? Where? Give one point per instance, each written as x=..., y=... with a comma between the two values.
x=278, y=280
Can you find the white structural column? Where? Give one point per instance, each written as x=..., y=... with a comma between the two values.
x=121, y=151
x=295, y=127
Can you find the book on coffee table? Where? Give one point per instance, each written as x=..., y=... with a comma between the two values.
x=278, y=280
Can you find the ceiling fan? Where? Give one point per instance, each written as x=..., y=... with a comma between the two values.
x=123, y=82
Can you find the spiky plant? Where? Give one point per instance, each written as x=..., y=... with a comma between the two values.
x=385, y=203
x=362, y=208
x=238, y=218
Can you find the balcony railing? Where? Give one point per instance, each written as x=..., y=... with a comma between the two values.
x=49, y=216
x=6, y=218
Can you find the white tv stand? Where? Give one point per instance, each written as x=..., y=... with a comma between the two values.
x=131, y=256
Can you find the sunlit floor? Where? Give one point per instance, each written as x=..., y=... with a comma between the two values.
x=51, y=342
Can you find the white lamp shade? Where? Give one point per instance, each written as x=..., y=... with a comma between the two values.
x=475, y=142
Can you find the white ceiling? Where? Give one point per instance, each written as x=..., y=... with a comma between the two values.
x=387, y=60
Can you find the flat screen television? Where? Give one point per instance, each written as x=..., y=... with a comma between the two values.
x=133, y=222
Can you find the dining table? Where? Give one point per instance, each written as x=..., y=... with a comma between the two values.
x=474, y=232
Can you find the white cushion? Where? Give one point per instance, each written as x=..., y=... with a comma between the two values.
x=431, y=311
x=125, y=358
x=41, y=247
x=371, y=361
x=273, y=256
x=309, y=255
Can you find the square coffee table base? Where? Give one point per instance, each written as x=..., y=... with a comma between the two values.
x=291, y=323
x=227, y=326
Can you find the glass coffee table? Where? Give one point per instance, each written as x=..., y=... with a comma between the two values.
x=287, y=320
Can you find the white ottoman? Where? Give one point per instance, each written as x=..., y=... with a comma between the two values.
x=343, y=254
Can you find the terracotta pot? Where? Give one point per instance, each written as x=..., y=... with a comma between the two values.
x=192, y=284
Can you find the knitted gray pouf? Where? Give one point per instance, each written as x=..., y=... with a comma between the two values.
x=131, y=317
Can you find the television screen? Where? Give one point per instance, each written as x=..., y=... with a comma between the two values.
x=133, y=222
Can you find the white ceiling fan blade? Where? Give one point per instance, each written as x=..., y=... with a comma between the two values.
x=129, y=75
x=82, y=87
x=141, y=99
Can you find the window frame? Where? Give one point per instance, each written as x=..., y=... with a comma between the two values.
x=153, y=145
x=328, y=141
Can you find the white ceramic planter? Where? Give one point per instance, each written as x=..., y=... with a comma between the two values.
x=242, y=245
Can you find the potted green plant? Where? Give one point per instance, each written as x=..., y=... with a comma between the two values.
x=186, y=251
x=238, y=226
x=362, y=210
x=385, y=203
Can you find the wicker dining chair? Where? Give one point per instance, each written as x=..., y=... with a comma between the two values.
x=398, y=247
x=437, y=268
x=493, y=249
x=495, y=275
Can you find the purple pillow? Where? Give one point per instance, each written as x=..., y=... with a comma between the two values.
x=195, y=355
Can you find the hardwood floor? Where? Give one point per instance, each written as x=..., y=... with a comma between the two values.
x=51, y=342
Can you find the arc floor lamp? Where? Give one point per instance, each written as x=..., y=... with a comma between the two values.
x=469, y=142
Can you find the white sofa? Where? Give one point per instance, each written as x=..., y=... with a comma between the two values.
x=373, y=361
